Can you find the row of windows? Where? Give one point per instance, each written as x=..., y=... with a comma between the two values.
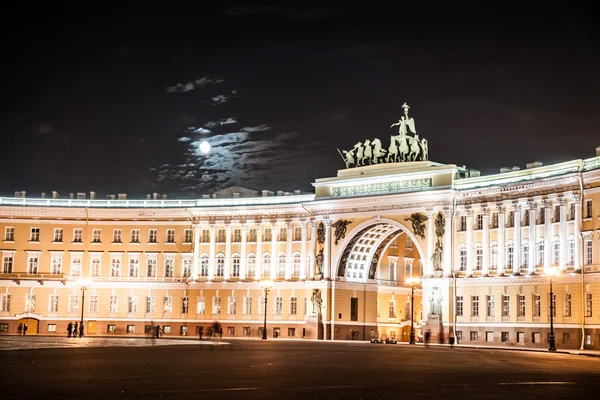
x=490, y=307
x=149, y=304
x=34, y=235
x=133, y=269
x=525, y=254
x=478, y=223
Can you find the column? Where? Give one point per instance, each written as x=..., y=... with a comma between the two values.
x=516, y=267
x=532, y=238
x=501, y=236
x=227, y=273
x=313, y=248
x=288, y=252
x=577, y=232
x=243, y=251
x=547, y=234
x=211, y=255
x=258, y=260
x=430, y=243
x=470, y=247
x=486, y=241
x=274, y=258
x=196, y=259
x=304, y=229
x=563, y=233
x=447, y=257
x=327, y=250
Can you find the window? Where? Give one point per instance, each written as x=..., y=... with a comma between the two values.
x=32, y=263
x=526, y=217
x=489, y=336
x=151, y=266
x=542, y=215
x=474, y=306
x=571, y=250
x=204, y=266
x=490, y=305
x=478, y=257
x=521, y=305
x=588, y=209
x=588, y=304
x=166, y=329
x=293, y=306
x=247, y=305
x=237, y=235
x=73, y=303
x=134, y=266
x=7, y=263
x=525, y=257
x=556, y=213
x=34, y=235
x=282, y=235
x=463, y=223
x=555, y=251
x=510, y=254
x=246, y=331
x=540, y=252
x=231, y=330
x=291, y=332
x=535, y=337
x=281, y=265
x=115, y=266
x=537, y=305
x=392, y=309
x=201, y=305
x=220, y=266
x=567, y=304
x=504, y=337
x=408, y=272
x=185, y=304
x=96, y=266
x=266, y=266
x=168, y=304
x=97, y=236
x=305, y=306
x=589, y=255
x=511, y=218
x=53, y=303
x=474, y=336
x=56, y=264
x=267, y=234
x=296, y=265
x=459, y=306
x=76, y=265
x=170, y=235
x=231, y=305
x=566, y=338
x=252, y=235
x=3, y=327
x=51, y=327
x=463, y=259
x=235, y=266
x=459, y=336
x=135, y=236
x=505, y=305
x=354, y=309
x=221, y=235
x=251, y=266
x=113, y=304
x=9, y=234
x=187, y=267
x=479, y=222
x=572, y=211
x=521, y=337
x=58, y=235
x=216, y=306
x=494, y=257
x=187, y=236
x=77, y=235
x=205, y=236
x=132, y=308
x=169, y=267
x=494, y=220
x=297, y=233
x=278, y=305
x=93, y=304
x=183, y=330
x=153, y=236
x=149, y=304
x=117, y=236
x=130, y=328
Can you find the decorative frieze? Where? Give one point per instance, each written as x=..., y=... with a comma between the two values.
x=382, y=187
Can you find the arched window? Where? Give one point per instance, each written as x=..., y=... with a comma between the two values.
x=281, y=265
x=525, y=253
x=478, y=257
x=540, y=252
x=510, y=254
x=220, y=266
x=204, y=265
x=266, y=265
x=296, y=268
x=235, y=266
x=463, y=258
x=251, y=266
x=494, y=256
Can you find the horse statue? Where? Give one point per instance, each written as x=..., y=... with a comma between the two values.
x=415, y=149
x=349, y=158
x=378, y=152
x=392, y=150
x=425, y=150
x=368, y=152
x=403, y=148
x=359, y=153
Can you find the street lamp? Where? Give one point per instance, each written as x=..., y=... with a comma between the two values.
x=412, y=282
x=83, y=284
x=266, y=286
x=552, y=272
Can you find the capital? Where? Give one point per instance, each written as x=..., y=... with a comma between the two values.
x=532, y=205
x=577, y=197
x=485, y=210
x=547, y=203
x=517, y=206
x=501, y=208
x=562, y=201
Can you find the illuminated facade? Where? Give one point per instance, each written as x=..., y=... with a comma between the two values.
x=339, y=258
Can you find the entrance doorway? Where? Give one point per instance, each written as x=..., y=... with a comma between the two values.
x=91, y=327
x=32, y=325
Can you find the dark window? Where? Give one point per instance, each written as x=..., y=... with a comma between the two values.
x=354, y=309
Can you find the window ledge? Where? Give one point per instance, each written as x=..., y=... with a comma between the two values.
x=172, y=243
x=34, y=241
x=76, y=242
x=188, y=243
x=152, y=243
x=95, y=243
x=134, y=243
x=9, y=241
x=57, y=242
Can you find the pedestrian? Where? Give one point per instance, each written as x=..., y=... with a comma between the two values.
x=69, y=329
x=81, y=330
x=158, y=331
x=451, y=337
x=24, y=329
x=200, y=331
x=75, y=329
x=441, y=338
x=20, y=328
x=427, y=337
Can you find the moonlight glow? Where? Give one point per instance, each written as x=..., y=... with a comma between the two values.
x=204, y=147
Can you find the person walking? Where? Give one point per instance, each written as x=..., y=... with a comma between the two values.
x=81, y=330
x=158, y=331
x=24, y=329
x=20, y=328
x=69, y=329
x=200, y=331
x=75, y=329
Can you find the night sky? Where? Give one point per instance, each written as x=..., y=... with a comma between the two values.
x=115, y=98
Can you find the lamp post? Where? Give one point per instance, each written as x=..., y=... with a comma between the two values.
x=83, y=284
x=412, y=282
x=552, y=272
x=266, y=286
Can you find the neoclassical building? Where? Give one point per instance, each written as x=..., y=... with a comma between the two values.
x=339, y=259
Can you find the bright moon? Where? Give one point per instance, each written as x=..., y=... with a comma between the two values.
x=204, y=147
